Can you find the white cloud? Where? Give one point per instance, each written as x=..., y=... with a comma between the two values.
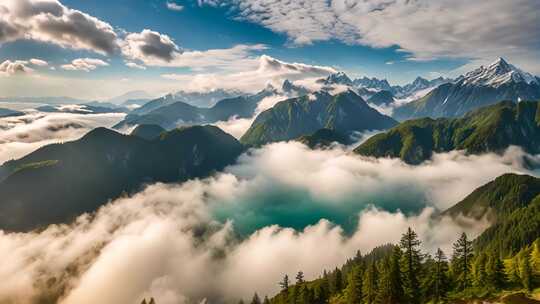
x=84, y=64
x=174, y=7
x=256, y=74
x=50, y=21
x=170, y=233
x=238, y=126
x=426, y=29
x=155, y=49
x=38, y=62
x=150, y=47
x=23, y=134
x=135, y=66
x=9, y=67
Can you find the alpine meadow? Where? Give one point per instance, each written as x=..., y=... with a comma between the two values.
x=269, y=152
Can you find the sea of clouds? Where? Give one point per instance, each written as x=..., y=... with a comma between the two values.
x=224, y=237
x=23, y=134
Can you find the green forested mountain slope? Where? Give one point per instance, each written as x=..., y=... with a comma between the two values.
x=60, y=181
x=345, y=113
x=489, y=129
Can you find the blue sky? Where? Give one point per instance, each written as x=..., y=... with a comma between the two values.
x=359, y=40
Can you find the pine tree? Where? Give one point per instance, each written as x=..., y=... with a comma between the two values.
x=410, y=266
x=353, y=292
x=479, y=270
x=441, y=278
x=495, y=271
x=461, y=261
x=511, y=269
x=152, y=301
x=284, y=284
x=395, y=275
x=300, y=278
x=266, y=300
x=535, y=260
x=525, y=271
x=256, y=299
x=384, y=284
x=369, y=284
x=338, y=281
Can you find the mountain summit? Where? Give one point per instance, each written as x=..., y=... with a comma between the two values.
x=344, y=113
x=496, y=74
x=483, y=86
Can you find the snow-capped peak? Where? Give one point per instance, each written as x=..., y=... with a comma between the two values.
x=496, y=74
x=338, y=78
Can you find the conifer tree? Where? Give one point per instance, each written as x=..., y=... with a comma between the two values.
x=495, y=271
x=384, y=283
x=525, y=271
x=479, y=270
x=441, y=278
x=353, y=292
x=410, y=266
x=369, y=284
x=535, y=260
x=256, y=299
x=511, y=269
x=300, y=277
x=338, y=281
x=266, y=300
x=284, y=284
x=395, y=275
x=461, y=261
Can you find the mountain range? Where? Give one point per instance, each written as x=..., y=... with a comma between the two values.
x=69, y=179
x=170, y=113
x=368, y=86
x=345, y=113
x=489, y=129
x=483, y=86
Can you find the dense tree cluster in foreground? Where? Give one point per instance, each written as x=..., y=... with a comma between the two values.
x=404, y=274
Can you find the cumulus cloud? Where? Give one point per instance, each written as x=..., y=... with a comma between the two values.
x=9, y=67
x=174, y=6
x=155, y=49
x=52, y=22
x=150, y=46
x=24, y=134
x=425, y=29
x=84, y=64
x=256, y=74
